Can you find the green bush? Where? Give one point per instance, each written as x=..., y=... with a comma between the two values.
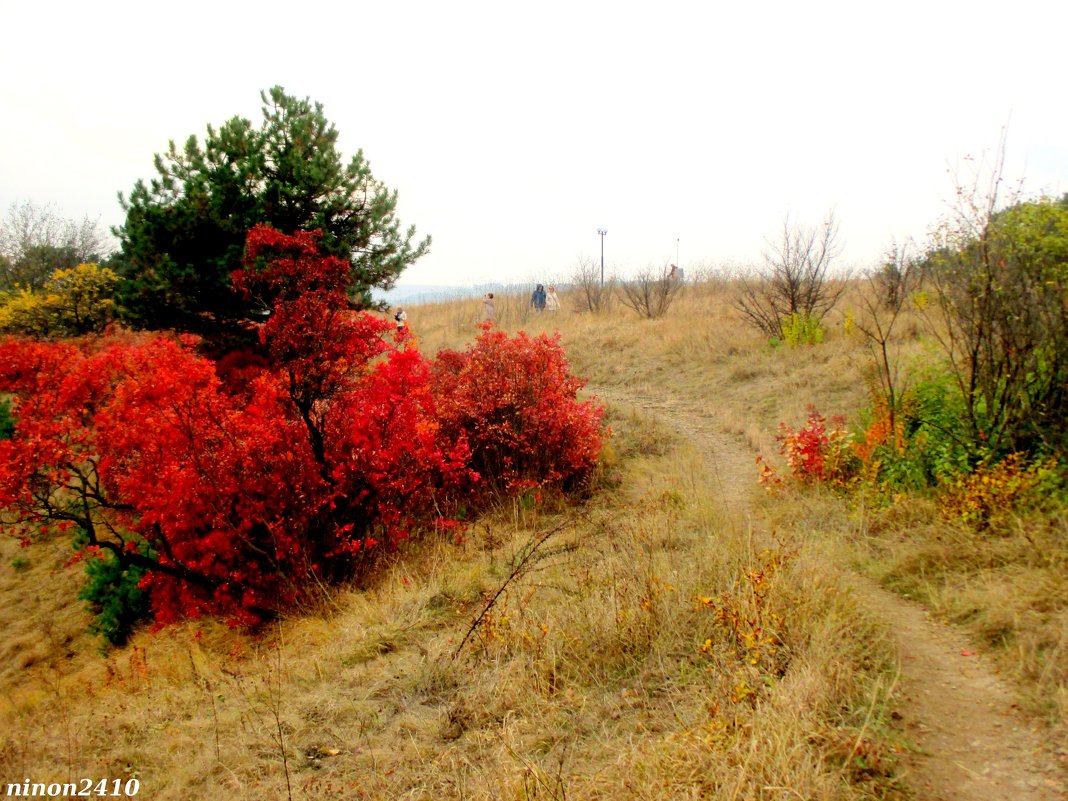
x=926, y=442
x=936, y=430
x=114, y=597
x=1000, y=279
x=7, y=422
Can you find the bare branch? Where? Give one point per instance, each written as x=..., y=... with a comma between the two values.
x=795, y=278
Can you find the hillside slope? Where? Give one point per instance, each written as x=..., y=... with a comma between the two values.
x=677, y=635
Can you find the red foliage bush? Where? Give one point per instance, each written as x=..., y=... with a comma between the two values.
x=818, y=451
x=252, y=478
x=366, y=405
x=391, y=464
x=139, y=442
x=238, y=369
x=514, y=401
x=314, y=342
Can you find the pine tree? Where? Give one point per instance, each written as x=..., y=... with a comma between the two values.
x=185, y=229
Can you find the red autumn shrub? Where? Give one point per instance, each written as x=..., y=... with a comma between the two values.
x=818, y=451
x=132, y=443
x=391, y=463
x=366, y=405
x=245, y=491
x=238, y=369
x=314, y=342
x=239, y=484
x=141, y=443
x=514, y=401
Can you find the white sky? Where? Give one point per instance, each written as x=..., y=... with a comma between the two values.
x=513, y=131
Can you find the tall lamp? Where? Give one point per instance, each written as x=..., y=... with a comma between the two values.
x=602, y=232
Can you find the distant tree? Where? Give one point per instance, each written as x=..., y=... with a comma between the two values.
x=35, y=241
x=795, y=283
x=185, y=229
x=25, y=312
x=82, y=298
x=898, y=275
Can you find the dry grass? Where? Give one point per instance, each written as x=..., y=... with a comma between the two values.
x=1007, y=586
x=701, y=349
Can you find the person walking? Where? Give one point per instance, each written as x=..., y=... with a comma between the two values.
x=537, y=299
x=401, y=318
x=552, y=301
x=488, y=311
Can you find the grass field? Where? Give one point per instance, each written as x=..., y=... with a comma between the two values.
x=676, y=635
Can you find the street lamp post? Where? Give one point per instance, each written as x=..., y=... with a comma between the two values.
x=602, y=232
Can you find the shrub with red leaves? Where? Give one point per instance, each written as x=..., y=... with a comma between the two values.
x=239, y=484
x=818, y=451
x=514, y=401
x=391, y=464
x=138, y=442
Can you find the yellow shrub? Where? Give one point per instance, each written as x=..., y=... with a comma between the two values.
x=1000, y=487
x=73, y=301
x=27, y=312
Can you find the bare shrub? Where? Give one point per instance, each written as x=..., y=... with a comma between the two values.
x=898, y=276
x=590, y=293
x=794, y=281
x=650, y=292
x=891, y=285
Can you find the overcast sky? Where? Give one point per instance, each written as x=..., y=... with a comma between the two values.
x=514, y=131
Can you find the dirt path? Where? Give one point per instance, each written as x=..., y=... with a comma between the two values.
x=972, y=743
